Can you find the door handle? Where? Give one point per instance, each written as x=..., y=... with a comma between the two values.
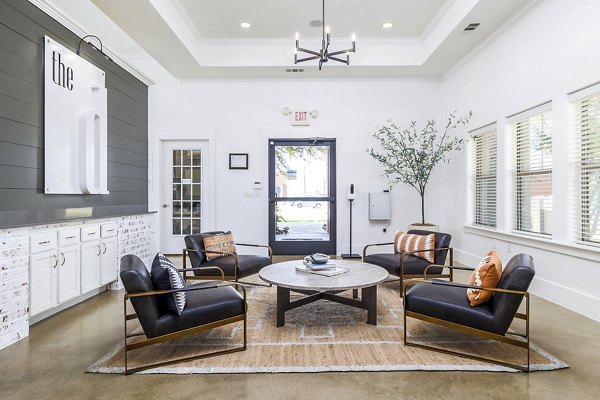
x=165, y=205
x=104, y=244
x=64, y=259
x=55, y=261
x=99, y=250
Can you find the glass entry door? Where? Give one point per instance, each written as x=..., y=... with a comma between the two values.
x=302, y=196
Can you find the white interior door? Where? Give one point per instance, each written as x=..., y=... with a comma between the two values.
x=183, y=208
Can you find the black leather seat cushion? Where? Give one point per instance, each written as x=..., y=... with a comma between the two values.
x=391, y=262
x=451, y=304
x=247, y=265
x=202, y=307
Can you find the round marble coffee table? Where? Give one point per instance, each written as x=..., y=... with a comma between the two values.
x=361, y=276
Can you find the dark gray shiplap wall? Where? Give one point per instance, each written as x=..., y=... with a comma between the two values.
x=22, y=198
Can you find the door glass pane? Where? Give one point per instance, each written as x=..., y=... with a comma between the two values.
x=196, y=177
x=196, y=192
x=196, y=226
x=176, y=175
x=187, y=157
x=187, y=192
x=196, y=157
x=186, y=227
x=176, y=192
x=196, y=209
x=176, y=157
x=187, y=175
x=176, y=227
x=302, y=220
x=176, y=209
x=302, y=171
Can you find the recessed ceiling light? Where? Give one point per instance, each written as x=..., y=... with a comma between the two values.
x=245, y=25
x=387, y=25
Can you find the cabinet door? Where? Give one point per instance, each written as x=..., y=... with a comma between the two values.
x=90, y=265
x=69, y=280
x=42, y=282
x=108, y=261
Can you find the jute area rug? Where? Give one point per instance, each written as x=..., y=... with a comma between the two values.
x=325, y=336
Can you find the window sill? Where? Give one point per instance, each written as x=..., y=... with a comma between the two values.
x=571, y=249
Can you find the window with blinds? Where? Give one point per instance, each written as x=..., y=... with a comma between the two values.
x=585, y=128
x=484, y=168
x=532, y=166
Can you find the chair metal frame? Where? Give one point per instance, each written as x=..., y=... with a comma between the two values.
x=233, y=277
x=466, y=329
x=404, y=276
x=175, y=335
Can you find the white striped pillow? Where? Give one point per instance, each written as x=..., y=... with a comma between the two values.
x=406, y=243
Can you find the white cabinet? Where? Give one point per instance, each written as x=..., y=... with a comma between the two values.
x=108, y=261
x=69, y=281
x=109, y=267
x=68, y=263
x=90, y=265
x=43, y=282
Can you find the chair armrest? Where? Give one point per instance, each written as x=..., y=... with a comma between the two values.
x=208, y=251
x=199, y=286
x=184, y=270
x=258, y=245
x=372, y=245
x=460, y=285
x=450, y=267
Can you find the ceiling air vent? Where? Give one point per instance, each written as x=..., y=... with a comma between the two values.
x=472, y=27
x=294, y=70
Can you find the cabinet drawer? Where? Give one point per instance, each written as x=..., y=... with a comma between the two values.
x=108, y=230
x=42, y=242
x=90, y=233
x=68, y=236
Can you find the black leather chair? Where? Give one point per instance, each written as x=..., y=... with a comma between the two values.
x=446, y=304
x=235, y=266
x=208, y=306
x=407, y=265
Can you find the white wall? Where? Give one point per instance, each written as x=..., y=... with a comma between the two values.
x=239, y=116
x=546, y=53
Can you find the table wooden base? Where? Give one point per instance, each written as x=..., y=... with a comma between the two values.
x=368, y=301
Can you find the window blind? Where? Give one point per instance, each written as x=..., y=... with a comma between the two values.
x=585, y=193
x=532, y=172
x=484, y=167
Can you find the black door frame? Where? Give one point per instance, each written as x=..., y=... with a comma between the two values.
x=303, y=247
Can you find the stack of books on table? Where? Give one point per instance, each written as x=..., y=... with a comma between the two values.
x=327, y=269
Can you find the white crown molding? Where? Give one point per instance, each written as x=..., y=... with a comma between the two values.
x=55, y=12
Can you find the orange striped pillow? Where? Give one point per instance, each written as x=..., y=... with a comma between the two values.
x=406, y=243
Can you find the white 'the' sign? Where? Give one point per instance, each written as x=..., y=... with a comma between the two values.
x=75, y=135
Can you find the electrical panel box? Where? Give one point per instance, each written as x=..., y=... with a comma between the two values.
x=380, y=206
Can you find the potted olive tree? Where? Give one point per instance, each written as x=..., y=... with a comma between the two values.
x=409, y=155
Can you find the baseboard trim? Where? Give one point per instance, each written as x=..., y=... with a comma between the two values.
x=61, y=307
x=563, y=296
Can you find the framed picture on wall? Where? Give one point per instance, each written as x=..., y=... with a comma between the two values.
x=238, y=160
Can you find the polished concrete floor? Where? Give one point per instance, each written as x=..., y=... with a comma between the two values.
x=50, y=364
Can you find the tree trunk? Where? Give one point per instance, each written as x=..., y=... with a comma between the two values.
x=423, y=207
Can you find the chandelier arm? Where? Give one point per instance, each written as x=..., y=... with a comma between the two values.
x=335, y=53
x=308, y=59
x=314, y=53
x=339, y=60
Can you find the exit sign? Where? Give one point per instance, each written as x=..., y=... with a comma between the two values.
x=300, y=118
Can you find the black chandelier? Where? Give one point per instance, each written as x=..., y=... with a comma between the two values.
x=324, y=54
